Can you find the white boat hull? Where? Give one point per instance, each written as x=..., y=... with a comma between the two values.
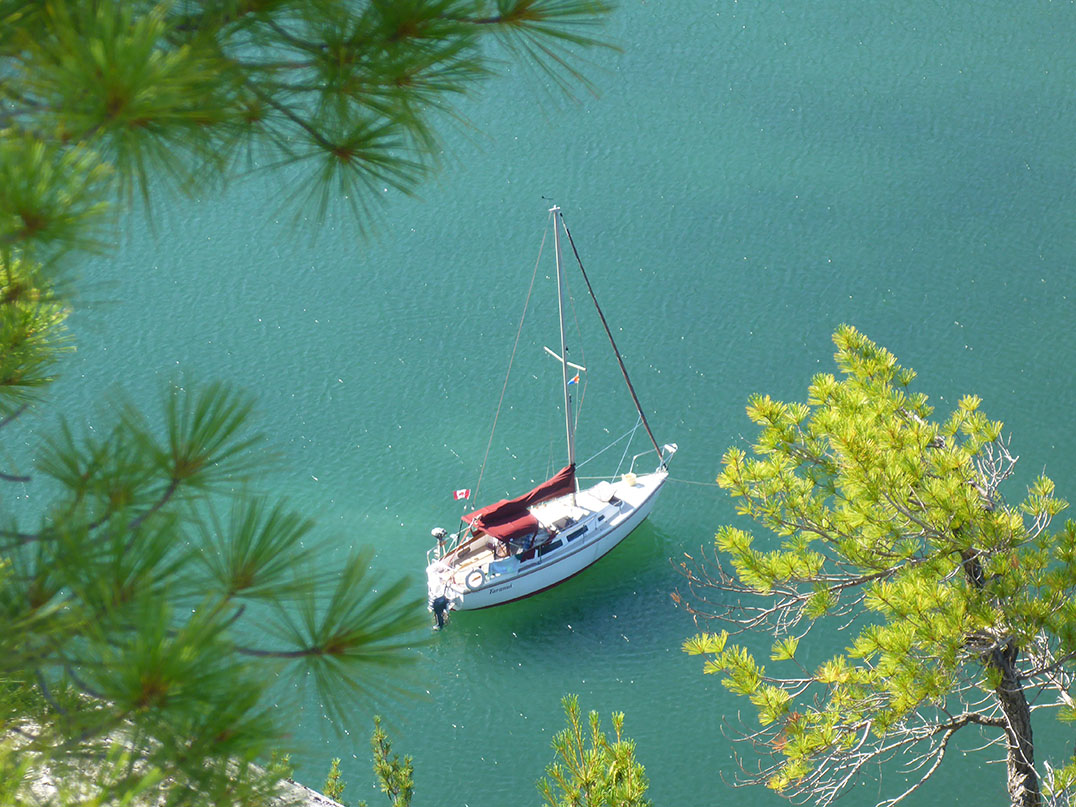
x=610, y=514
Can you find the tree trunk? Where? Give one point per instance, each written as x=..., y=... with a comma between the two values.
x=1023, y=782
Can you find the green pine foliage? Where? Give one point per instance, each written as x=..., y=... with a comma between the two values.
x=334, y=782
x=136, y=613
x=153, y=607
x=890, y=526
x=394, y=777
x=590, y=769
x=349, y=96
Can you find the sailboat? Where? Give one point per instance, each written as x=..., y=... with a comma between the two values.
x=518, y=547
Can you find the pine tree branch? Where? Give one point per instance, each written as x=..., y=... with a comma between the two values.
x=12, y=417
x=46, y=693
x=302, y=652
x=291, y=115
x=139, y=520
x=24, y=538
x=294, y=41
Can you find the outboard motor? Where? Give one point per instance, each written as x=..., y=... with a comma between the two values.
x=439, y=534
x=439, y=606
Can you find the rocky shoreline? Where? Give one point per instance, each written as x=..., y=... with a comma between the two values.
x=295, y=793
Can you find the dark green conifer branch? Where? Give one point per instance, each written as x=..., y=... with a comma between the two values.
x=123, y=593
x=182, y=90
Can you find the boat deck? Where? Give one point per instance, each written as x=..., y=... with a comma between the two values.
x=557, y=516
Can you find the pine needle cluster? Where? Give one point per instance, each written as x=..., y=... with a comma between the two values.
x=155, y=611
x=957, y=604
x=349, y=97
x=591, y=769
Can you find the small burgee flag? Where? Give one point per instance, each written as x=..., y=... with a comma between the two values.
x=462, y=493
x=574, y=380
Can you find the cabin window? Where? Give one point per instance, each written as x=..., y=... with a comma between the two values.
x=573, y=535
x=601, y=518
x=549, y=547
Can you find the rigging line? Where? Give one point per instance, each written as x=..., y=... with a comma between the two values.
x=582, y=352
x=511, y=360
x=628, y=433
x=627, y=446
x=609, y=333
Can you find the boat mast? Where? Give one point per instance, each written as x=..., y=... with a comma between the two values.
x=563, y=349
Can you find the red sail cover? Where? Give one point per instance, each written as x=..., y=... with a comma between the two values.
x=509, y=518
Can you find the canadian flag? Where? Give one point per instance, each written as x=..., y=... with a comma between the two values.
x=462, y=493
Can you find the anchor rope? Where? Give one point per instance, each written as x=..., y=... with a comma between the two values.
x=692, y=482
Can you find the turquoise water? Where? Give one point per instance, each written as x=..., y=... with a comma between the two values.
x=752, y=175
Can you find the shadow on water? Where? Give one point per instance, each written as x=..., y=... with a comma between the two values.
x=626, y=589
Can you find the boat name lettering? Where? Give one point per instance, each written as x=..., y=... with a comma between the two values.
x=500, y=588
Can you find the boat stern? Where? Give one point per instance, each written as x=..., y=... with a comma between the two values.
x=440, y=596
